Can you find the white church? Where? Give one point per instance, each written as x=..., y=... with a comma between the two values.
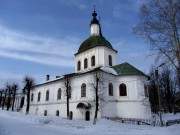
x=121, y=87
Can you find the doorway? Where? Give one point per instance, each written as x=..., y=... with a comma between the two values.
x=71, y=115
x=87, y=117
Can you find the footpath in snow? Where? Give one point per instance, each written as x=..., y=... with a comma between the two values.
x=16, y=123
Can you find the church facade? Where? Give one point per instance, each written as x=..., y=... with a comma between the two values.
x=120, y=88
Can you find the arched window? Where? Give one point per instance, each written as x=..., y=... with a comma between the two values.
x=79, y=65
x=32, y=96
x=39, y=96
x=110, y=60
x=110, y=89
x=47, y=95
x=45, y=112
x=57, y=113
x=83, y=90
x=59, y=94
x=122, y=90
x=93, y=61
x=85, y=63
x=69, y=92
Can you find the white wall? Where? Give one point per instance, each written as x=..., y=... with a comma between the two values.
x=134, y=105
x=53, y=104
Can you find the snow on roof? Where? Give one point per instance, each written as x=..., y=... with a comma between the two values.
x=58, y=78
x=109, y=70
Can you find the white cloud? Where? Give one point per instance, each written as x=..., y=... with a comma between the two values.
x=39, y=49
x=42, y=59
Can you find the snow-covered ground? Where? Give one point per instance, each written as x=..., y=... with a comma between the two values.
x=15, y=123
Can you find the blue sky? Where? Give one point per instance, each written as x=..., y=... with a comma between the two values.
x=39, y=37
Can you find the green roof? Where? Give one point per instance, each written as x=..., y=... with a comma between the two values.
x=127, y=69
x=94, y=41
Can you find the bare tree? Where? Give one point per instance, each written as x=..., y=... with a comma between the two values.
x=153, y=92
x=168, y=89
x=9, y=94
x=97, y=93
x=14, y=90
x=1, y=96
x=160, y=26
x=4, y=98
x=67, y=84
x=29, y=82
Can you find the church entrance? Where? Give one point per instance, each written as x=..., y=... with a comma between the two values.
x=71, y=115
x=87, y=117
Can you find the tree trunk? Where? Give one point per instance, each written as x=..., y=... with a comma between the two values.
x=97, y=101
x=9, y=100
x=28, y=101
x=178, y=76
x=14, y=94
x=1, y=98
x=8, y=103
x=67, y=95
x=68, y=107
x=4, y=100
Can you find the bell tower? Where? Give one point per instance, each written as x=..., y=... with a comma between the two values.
x=95, y=51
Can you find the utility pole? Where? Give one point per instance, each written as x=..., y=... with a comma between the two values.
x=159, y=94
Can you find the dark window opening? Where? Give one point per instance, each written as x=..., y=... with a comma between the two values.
x=79, y=65
x=110, y=60
x=39, y=96
x=59, y=94
x=93, y=61
x=83, y=90
x=47, y=95
x=122, y=90
x=85, y=63
x=110, y=89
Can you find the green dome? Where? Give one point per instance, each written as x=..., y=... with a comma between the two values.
x=94, y=41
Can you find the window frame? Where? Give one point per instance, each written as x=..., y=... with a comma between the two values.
x=110, y=60
x=78, y=65
x=93, y=61
x=59, y=94
x=85, y=63
x=123, y=90
x=83, y=90
x=39, y=97
x=110, y=89
x=47, y=95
